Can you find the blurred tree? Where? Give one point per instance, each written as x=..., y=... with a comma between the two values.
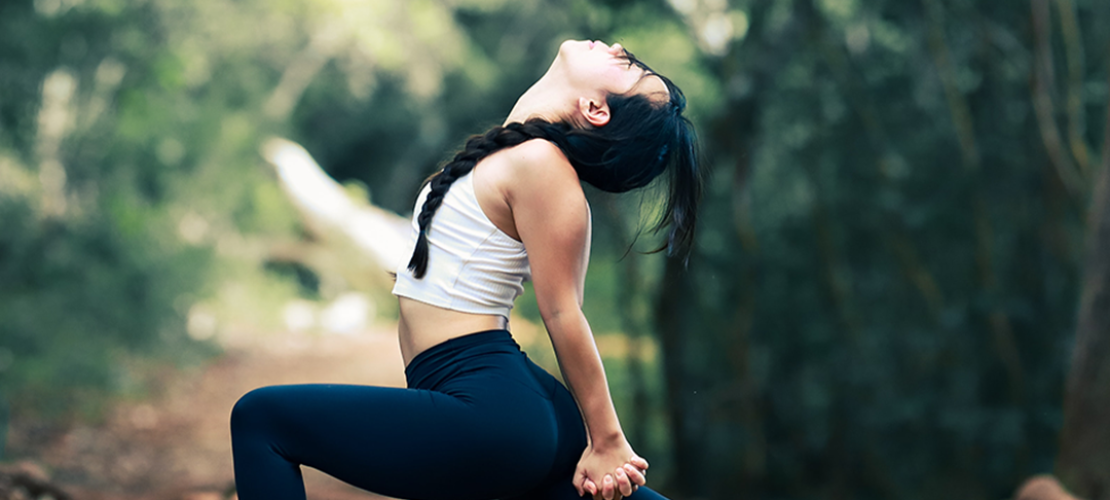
x=84, y=277
x=884, y=264
x=1084, y=462
x=129, y=167
x=888, y=266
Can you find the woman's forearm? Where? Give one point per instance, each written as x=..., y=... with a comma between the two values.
x=585, y=375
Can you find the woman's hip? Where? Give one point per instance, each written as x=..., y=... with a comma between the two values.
x=489, y=371
x=474, y=362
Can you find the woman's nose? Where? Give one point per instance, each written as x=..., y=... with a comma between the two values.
x=616, y=48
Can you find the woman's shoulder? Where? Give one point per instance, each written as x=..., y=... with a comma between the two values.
x=540, y=165
x=539, y=150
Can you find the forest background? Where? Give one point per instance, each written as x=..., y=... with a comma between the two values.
x=903, y=254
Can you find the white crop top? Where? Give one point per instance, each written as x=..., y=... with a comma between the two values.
x=472, y=265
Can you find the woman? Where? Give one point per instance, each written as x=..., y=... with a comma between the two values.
x=479, y=420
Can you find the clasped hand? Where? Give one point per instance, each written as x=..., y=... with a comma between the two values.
x=610, y=473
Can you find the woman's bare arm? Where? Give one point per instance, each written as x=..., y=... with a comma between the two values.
x=553, y=220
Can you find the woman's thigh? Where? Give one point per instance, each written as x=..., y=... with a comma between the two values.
x=407, y=443
x=572, y=442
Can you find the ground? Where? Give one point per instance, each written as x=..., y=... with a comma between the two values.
x=177, y=446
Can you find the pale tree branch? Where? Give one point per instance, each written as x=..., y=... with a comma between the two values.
x=1043, y=88
x=1084, y=460
x=957, y=104
x=1106, y=126
x=1004, y=342
x=1073, y=44
x=894, y=232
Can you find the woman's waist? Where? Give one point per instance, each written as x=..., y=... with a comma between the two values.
x=423, y=326
x=463, y=291
x=478, y=354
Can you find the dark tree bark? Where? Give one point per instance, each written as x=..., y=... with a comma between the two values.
x=674, y=293
x=1084, y=462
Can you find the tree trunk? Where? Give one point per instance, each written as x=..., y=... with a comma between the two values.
x=1084, y=462
x=670, y=315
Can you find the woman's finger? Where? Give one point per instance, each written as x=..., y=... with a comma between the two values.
x=635, y=475
x=624, y=485
x=608, y=487
x=639, y=462
x=590, y=487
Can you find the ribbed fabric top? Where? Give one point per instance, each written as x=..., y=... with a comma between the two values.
x=472, y=265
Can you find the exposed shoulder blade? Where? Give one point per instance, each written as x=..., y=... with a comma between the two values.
x=540, y=165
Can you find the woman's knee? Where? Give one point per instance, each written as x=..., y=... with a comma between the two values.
x=254, y=407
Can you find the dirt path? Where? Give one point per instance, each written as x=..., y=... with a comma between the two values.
x=177, y=447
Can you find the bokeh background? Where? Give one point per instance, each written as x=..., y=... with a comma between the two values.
x=903, y=240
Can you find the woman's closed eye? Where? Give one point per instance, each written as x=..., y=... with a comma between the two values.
x=626, y=56
x=632, y=61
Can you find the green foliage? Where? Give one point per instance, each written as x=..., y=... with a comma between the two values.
x=886, y=279
x=107, y=144
x=78, y=295
x=883, y=293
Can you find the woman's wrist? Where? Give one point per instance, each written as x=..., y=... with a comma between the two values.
x=608, y=440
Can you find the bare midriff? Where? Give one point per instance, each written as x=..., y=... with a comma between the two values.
x=423, y=325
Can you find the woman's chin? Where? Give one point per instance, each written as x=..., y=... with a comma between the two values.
x=569, y=45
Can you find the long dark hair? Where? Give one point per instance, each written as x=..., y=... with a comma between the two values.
x=642, y=140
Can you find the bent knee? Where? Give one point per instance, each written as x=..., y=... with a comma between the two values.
x=254, y=407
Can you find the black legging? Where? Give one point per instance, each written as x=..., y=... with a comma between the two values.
x=479, y=421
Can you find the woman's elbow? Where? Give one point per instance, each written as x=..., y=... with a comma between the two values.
x=560, y=316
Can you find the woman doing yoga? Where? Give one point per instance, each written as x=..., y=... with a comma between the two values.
x=479, y=420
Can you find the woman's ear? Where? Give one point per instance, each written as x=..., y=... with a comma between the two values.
x=596, y=113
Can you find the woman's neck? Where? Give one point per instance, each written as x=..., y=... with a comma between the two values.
x=546, y=99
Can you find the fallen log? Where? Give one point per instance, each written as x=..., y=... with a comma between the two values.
x=26, y=481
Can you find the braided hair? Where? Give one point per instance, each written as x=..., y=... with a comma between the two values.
x=642, y=140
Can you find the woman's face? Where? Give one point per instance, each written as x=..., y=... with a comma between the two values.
x=595, y=66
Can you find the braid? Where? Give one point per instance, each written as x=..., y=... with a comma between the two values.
x=477, y=148
x=640, y=142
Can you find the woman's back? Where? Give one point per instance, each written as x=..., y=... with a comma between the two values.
x=473, y=265
x=478, y=419
x=476, y=259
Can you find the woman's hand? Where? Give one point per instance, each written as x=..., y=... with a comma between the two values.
x=617, y=489
x=552, y=218
x=610, y=472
